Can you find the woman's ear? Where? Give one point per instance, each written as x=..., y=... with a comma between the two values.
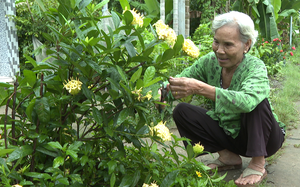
x=248, y=45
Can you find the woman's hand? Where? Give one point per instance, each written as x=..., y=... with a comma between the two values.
x=183, y=87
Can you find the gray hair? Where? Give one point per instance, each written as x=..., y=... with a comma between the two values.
x=243, y=21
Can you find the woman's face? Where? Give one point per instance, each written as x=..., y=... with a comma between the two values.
x=228, y=47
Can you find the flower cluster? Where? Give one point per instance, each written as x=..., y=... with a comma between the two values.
x=161, y=131
x=198, y=174
x=166, y=33
x=138, y=19
x=73, y=86
x=190, y=48
x=151, y=185
x=198, y=148
x=139, y=96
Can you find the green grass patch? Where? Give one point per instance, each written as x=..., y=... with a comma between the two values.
x=285, y=95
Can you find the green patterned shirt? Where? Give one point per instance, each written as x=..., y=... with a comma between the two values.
x=249, y=87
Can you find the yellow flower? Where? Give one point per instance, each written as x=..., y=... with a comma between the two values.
x=161, y=131
x=198, y=149
x=199, y=174
x=148, y=96
x=166, y=33
x=73, y=86
x=138, y=19
x=190, y=48
x=151, y=185
x=16, y=185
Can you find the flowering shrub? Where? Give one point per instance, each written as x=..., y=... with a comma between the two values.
x=272, y=53
x=82, y=119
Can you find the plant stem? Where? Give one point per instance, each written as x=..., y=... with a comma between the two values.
x=32, y=167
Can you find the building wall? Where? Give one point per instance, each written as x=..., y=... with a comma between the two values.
x=9, y=55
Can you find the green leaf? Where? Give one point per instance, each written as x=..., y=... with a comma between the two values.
x=123, y=75
x=175, y=156
x=20, y=153
x=41, y=5
x=178, y=45
x=136, y=178
x=219, y=179
x=112, y=180
x=112, y=164
x=190, y=151
x=83, y=160
x=157, y=79
x=148, y=51
x=29, y=109
x=72, y=153
x=126, y=181
x=97, y=115
x=42, y=109
x=154, y=147
x=130, y=49
x=152, y=7
x=63, y=180
x=139, y=83
x=58, y=161
x=44, y=176
x=27, y=183
x=125, y=5
x=84, y=3
x=30, y=77
x=107, y=39
x=31, y=60
x=168, y=54
x=136, y=75
x=55, y=145
x=3, y=152
x=76, y=178
x=143, y=130
x=123, y=115
x=46, y=151
x=75, y=145
x=169, y=179
x=100, y=5
x=149, y=74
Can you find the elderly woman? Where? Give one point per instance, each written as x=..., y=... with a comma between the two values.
x=241, y=122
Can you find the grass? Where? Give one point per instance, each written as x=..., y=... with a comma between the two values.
x=286, y=95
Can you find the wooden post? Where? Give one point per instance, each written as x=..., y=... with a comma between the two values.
x=181, y=17
x=162, y=11
x=175, y=16
x=187, y=18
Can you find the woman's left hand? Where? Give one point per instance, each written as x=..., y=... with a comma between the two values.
x=183, y=86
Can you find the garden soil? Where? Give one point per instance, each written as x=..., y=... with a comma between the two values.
x=284, y=171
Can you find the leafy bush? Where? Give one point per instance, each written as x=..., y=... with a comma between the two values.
x=273, y=54
x=87, y=118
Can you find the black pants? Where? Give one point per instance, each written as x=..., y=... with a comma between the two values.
x=260, y=134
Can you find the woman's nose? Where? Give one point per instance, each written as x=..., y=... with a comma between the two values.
x=220, y=49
